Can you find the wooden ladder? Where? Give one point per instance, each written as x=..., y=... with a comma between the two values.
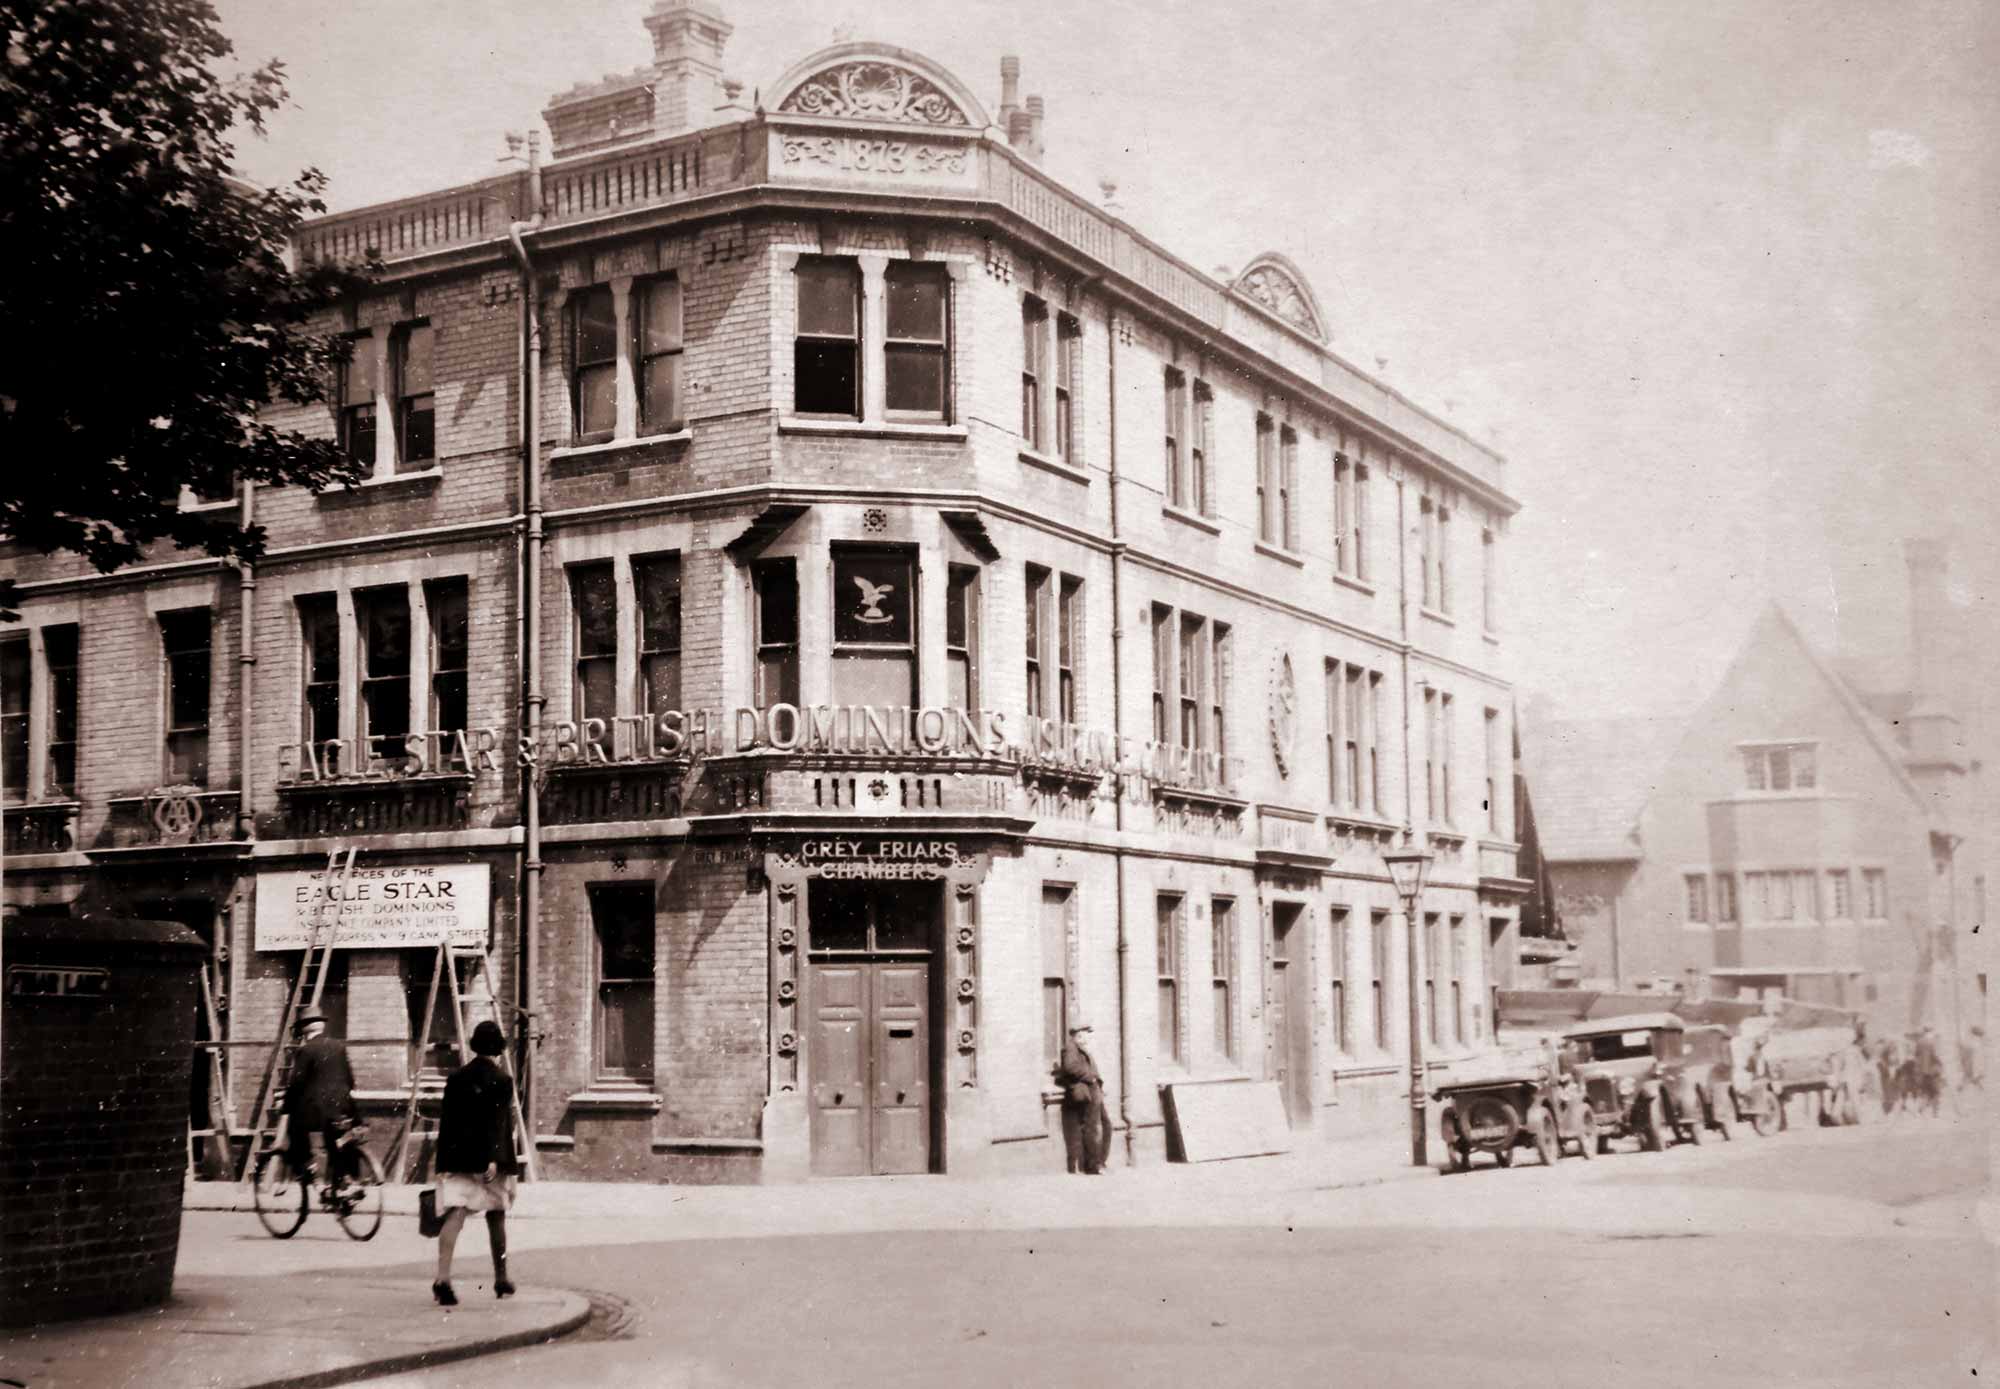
x=268, y=1132
x=417, y=1128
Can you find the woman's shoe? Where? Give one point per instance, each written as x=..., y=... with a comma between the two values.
x=502, y=1288
x=445, y=1296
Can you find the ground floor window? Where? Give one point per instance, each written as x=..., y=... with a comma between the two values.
x=622, y=915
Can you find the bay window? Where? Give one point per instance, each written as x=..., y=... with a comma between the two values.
x=874, y=627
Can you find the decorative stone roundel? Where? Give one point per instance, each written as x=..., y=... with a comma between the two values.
x=1284, y=713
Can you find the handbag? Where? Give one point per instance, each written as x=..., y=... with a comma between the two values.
x=430, y=1221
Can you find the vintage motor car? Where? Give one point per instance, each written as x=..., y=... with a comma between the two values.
x=1735, y=1091
x=1521, y=1108
x=1634, y=1072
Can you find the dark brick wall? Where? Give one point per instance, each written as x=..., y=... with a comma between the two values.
x=94, y=1121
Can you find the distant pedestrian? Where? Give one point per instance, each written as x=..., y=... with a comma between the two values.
x=319, y=1099
x=1971, y=1064
x=476, y=1162
x=1086, y=1127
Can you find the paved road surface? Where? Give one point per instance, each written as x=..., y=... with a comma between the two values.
x=1821, y=1257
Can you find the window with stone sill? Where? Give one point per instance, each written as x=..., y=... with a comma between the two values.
x=1167, y=964
x=916, y=349
x=826, y=358
x=1875, y=894
x=1697, y=897
x=775, y=596
x=382, y=616
x=451, y=653
x=1337, y=970
x=622, y=917
x=1176, y=439
x=185, y=638
x=1068, y=339
x=1267, y=482
x=1201, y=452
x=874, y=627
x=411, y=353
x=1725, y=898
x=1378, y=982
x=1222, y=966
x=359, y=378
x=388, y=376
x=657, y=354
x=961, y=636
x=411, y=656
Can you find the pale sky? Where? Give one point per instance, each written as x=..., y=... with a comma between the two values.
x=1719, y=279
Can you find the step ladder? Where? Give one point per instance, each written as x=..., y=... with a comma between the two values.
x=217, y=1136
x=417, y=1128
x=268, y=1131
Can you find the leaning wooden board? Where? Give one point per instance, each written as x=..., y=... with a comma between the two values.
x=1211, y=1119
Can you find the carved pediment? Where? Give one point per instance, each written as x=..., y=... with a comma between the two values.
x=874, y=91
x=874, y=82
x=1276, y=284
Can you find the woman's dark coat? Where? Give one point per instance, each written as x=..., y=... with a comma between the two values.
x=476, y=1125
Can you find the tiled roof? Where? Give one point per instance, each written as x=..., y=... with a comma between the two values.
x=1590, y=778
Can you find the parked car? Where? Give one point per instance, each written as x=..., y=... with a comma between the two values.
x=1710, y=1059
x=1519, y=1109
x=1635, y=1075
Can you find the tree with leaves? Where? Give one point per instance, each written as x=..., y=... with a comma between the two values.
x=149, y=307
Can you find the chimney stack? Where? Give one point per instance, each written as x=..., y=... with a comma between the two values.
x=688, y=39
x=1035, y=112
x=1010, y=91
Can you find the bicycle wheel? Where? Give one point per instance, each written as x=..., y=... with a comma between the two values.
x=361, y=1216
x=280, y=1195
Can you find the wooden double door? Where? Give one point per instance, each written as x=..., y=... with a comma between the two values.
x=872, y=1067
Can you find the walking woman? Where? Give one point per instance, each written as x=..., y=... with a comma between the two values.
x=476, y=1162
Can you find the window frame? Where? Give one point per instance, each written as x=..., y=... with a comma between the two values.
x=1168, y=963
x=856, y=341
x=1069, y=335
x=850, y=650
x=582, y=368
x=641, y=305
x=1061, y=898
x=1766, y=762
x=585, y=663
x=1695, y=905
x=1223, y=973
x=1378, y=970
x=317, y=611
x=172, y=625
x=1267, y=482
x=1034, y=370
x=603, y=898
x=769, y=579
x=1288, y=487
x=1035, y=636
x=1338, y=925
x=387, y=598
x=962, y=590
x=1174, y=387
x=1201, y=450
x=440, y=596
x=938, y=348
x=17, y=703
x=665, y=567
x=407, y=408
x=1069, y=625
x=63, y=721
x=354, y=419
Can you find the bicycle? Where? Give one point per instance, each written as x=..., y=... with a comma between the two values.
x=284, y=1201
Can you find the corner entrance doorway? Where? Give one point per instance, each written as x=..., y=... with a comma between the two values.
x=869, y=985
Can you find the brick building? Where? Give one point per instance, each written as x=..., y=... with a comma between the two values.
x=917, y=609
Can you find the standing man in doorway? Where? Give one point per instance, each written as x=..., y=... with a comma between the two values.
x=1086, y=1127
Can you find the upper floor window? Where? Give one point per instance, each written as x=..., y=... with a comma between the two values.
x=1350, y=516
x=1496, y=771
x=416, y=429
x=451, y=652
x=1069, y=621
x=1874, y=894
x=657, y=354
x=1437, y=756
x=1034, y=369
x=1035, y=625
x=185, y=637
x=1068, y=335
x=1780, y=766
x=1288, y=488
x=384, y=618
x=1176, y=438
x=1840, y=894
x=915, y=350
x=1725, y=897
x=1200, y=451
x=16, y=697
x=319, y=630
x=594, y=363
x=1352, y=774
x=359, y=384
x=1697, y=897
x=827, y=353
x=1430, y=543
x=656, y=589
x=59, y=659
x=961, y=636
x=1489, y=582
x=775, y=586
x=874, y=627
x=1267, y=481
x=1191, y=678
x=593, y=597
x=1190, y=681
x=1163, y=658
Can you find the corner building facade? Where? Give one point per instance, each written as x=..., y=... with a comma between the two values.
x=926, y=613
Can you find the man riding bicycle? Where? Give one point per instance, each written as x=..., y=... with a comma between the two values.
x=320, y=1099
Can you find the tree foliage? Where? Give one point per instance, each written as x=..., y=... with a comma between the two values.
x=148, y=307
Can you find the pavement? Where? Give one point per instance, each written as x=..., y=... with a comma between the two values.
x=318, y=1309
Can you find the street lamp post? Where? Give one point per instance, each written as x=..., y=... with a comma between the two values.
x=1406, y=870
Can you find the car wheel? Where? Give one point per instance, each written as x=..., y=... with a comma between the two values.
x=1589, y=1144
x=1547, y=1146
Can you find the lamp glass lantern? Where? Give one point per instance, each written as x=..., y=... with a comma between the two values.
x=1407, y=870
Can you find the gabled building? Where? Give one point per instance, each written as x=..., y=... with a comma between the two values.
x=1783, y=840
x=829, y=606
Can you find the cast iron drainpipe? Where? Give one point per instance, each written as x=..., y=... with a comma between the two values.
x=1118, y=736
x=531, y=634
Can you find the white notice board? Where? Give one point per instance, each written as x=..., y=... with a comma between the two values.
x=1210, y=1119
x=383, y=907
